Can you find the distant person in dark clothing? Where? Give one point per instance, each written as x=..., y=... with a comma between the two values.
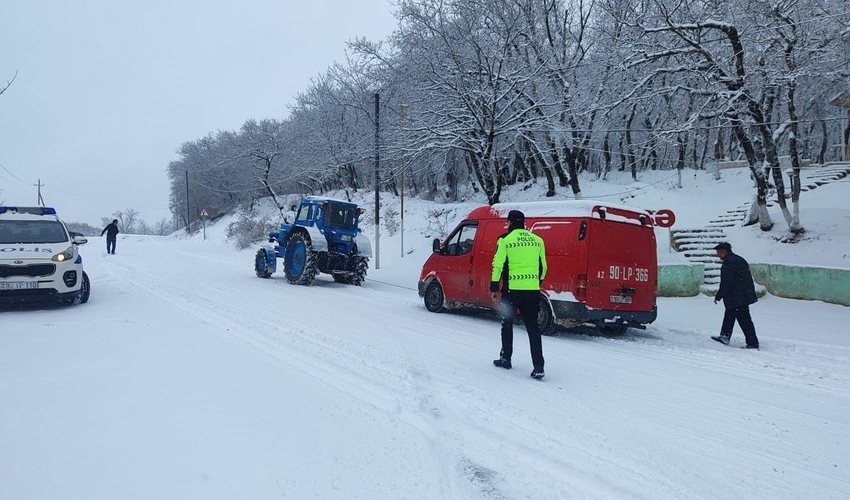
x=111, y=236
x=737, y=291
x=520, y=264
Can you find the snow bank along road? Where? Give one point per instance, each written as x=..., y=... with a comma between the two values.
x=188, y=377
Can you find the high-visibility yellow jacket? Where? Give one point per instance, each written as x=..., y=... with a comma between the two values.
x=521, y=257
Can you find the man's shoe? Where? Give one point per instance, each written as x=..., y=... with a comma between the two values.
x=722, y=339
x=502, y=363
x=537, y=373
x=750, y=347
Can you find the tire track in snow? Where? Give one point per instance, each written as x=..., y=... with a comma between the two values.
x=393, y=386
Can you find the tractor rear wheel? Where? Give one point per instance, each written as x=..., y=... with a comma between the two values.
x=361, y=264
x=299, y=262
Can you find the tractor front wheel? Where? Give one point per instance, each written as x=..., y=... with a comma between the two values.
x=261, y=265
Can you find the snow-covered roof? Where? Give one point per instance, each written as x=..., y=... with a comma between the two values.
x=560, y=208
x=325, y=198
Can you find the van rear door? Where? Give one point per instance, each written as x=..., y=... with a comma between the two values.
x=622, y=265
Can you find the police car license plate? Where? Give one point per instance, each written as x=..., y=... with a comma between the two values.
x=18, y=285
x=621, y=299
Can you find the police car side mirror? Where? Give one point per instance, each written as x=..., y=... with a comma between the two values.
x=435, y=246
x=79, y=239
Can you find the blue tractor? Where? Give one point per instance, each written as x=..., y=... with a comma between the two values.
x=325, y=237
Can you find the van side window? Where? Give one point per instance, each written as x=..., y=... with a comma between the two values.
x=460, y=243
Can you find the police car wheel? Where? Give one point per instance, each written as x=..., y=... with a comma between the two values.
x=85, y=289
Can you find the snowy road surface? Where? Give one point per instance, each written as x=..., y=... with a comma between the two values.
x=187, y=377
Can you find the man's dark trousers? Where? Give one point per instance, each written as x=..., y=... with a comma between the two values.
x=528, y=303
x=742, y=315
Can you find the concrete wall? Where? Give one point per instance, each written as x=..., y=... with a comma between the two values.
x=680, y=280
x=792, y=282
x=809, y=283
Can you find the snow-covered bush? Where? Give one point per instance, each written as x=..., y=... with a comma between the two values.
x=249, y=228
x=391, y=220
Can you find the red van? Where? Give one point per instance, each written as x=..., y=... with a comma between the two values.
x=603, y=267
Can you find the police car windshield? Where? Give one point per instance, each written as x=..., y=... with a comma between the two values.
x=32, y=231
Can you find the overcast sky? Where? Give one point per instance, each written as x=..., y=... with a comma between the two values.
x=107, y=91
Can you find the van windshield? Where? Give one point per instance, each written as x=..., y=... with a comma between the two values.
x=32, y=231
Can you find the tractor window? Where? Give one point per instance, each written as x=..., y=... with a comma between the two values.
x=305, y=213
x=343, y=217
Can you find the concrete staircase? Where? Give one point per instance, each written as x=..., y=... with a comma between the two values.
x=697, y=245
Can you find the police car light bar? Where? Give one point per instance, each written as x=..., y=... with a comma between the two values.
x=28, y=210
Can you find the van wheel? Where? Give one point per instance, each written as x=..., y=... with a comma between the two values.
x=545, y=317
x=434, y=297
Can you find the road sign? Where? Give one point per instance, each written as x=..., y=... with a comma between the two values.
x=663, y=218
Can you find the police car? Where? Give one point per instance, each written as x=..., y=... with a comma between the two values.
x=39, y=259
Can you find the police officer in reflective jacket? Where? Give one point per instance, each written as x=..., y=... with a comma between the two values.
x=520, y=264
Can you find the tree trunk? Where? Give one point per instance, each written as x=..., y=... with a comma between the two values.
x=758, y=210
x=794, y=224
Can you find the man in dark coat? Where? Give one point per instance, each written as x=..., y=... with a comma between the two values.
x=737, y=291
x=111, y=236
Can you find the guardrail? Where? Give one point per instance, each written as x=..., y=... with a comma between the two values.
x=784, y=163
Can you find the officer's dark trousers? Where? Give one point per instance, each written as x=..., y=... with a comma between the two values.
x=742, y=315
x=528, y=303
x=110, y=244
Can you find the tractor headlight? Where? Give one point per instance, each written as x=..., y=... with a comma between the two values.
x=68, y=254
x=345, y=237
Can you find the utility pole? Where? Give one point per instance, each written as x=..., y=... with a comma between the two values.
x=402, y=108
x=40, y=199
x=188, y=210
x=377, y=182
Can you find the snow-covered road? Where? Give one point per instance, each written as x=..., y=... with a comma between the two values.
x=186, y=377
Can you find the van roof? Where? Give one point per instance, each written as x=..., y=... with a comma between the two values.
x=562, y=208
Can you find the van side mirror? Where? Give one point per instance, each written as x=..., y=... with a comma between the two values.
x=435, y=246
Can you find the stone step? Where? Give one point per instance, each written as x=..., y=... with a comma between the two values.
x=727, y=219
x=697, y=244
x=690, y=255
x=706, y=261
x=688, y=240
x=698, y=248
